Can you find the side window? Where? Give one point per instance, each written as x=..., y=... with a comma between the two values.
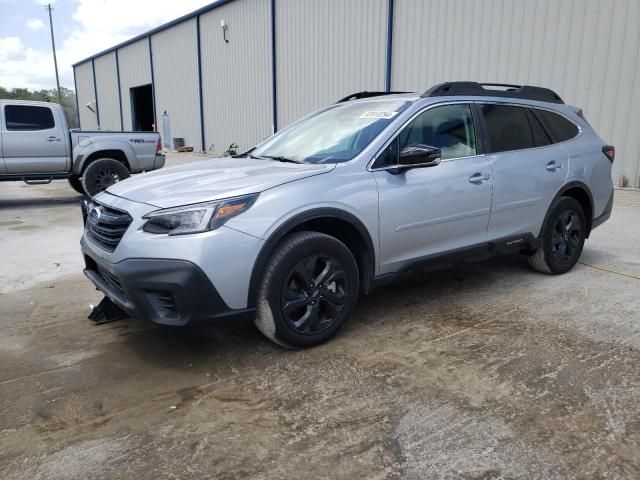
x=540, y=137
x=449, y=128
x=507, y=127
x=389, y=155
x=558, y=127
x=28, y=118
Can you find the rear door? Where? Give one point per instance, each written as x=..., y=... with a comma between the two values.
x=34, y=139
x=528, y=169
x=427, y=211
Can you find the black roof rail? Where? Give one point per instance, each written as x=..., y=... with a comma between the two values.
x=527, y=92
x=365, y=94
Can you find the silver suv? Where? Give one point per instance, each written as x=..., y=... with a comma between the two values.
x=349, y=198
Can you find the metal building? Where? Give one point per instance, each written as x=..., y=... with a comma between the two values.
x=236, y=70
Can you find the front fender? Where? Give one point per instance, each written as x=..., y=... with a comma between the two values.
x=85, y=149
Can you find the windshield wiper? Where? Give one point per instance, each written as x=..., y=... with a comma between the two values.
x=277, y=158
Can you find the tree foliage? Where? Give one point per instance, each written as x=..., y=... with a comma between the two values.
x=68, y=99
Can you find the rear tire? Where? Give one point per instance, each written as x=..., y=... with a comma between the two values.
x=308, y=292
x=562, y=239
x=76, y=184
x=101, y=174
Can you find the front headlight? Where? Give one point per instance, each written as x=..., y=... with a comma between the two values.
x=196, y=218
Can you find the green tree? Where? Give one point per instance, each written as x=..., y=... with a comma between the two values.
x=68, y=99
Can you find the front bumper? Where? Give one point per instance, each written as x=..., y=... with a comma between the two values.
x=162, y=291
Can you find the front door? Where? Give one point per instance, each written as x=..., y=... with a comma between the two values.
x=34, y=139
x=428, y=211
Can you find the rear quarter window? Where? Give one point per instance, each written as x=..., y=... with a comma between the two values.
x=560, y=129
x=28, y=118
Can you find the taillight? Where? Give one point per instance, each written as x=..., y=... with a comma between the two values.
x=159, y=146
x=609, y=152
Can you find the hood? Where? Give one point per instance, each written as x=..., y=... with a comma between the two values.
x=211, y=180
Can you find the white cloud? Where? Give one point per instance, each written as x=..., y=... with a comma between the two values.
x=35, y=24
x=100, y=24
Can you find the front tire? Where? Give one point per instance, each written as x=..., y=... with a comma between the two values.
x=563, y=237
x=308, y=291
x=101, y=174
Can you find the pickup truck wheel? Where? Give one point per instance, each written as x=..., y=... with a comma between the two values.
x=76, y=184
x=562, y=240
x=308, y=291
x=101, y=174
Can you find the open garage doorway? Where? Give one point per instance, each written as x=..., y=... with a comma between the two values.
x=142, y=108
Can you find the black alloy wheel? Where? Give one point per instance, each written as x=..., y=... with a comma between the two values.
x=101, y=174
x=566, y=238
x=314, y=294
x=561, y=239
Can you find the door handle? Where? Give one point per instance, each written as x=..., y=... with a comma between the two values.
x=479, y=178
x=53, y=139
x=552, y=166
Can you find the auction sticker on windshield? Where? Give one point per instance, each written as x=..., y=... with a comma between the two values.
x=378, y=115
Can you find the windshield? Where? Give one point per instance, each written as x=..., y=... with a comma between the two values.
x=334, y=135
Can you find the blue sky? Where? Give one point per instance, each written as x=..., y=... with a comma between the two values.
x=82, y=28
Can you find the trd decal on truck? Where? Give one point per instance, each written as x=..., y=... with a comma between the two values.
x=141, y=140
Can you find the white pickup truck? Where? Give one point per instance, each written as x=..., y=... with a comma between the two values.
x=37, y=146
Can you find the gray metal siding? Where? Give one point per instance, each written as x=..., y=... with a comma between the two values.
x=135, y=70
x=586, y=50
x=84, y=81
x=175, y=67
x=236, y=76
x=107, y=88
x=326, y=50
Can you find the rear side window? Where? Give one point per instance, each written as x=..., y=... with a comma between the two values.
x=507, y=127
x=558, y=127
x=540, y=137
x=28, y=118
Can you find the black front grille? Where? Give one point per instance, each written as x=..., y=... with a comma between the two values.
x=106, y=226
x=110, y=279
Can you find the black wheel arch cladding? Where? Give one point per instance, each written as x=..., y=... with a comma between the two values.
x=306, y=221
x=582, y=194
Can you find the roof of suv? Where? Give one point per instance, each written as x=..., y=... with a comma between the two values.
x=470, y=89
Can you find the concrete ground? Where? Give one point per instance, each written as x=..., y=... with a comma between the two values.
x=485, y=371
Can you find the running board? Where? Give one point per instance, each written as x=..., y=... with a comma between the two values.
x=43, y=181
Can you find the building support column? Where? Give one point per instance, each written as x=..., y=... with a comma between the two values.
x=119, y=91
x=387, y=81
x=153, y=87
x=201, y=99
x=274, y=84
x=95, y=92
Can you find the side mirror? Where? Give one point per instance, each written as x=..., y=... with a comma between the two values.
x=417, y=155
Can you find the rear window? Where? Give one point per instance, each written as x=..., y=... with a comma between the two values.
x=28, y=117
x=558, y=127
x=507, y=127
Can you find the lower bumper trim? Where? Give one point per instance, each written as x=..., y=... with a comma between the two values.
x=162, y=291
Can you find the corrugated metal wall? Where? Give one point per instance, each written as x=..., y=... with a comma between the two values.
x=86, y=94
x=586, y=50
x=236, y=76
x=326, y=50
x=135, y=70
x=107, y=89
x=175, y=70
